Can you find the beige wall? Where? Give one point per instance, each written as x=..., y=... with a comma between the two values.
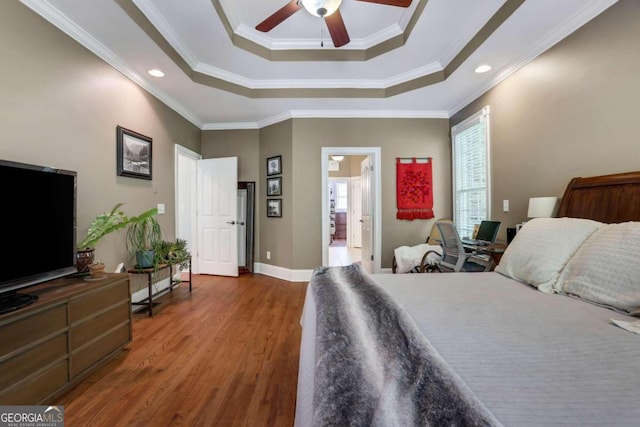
x=573, y=111
x=60, y=107
x=276, y=234
x=349, y=166
x=243, y=144
x=397, y=138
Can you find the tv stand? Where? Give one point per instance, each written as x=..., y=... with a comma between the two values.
x=73, y=328
x=13, y=300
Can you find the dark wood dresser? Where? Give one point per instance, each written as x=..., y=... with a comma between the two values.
x=73, y=327
x=341, y=226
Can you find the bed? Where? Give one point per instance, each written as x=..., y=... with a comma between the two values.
x=530, y=344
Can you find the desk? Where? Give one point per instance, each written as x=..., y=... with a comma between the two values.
x=494, y=251
x=150, y=272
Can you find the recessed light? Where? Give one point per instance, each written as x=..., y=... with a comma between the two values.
x=483, y=68
x=156, y=73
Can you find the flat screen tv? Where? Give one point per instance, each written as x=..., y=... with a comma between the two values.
x=39, y=222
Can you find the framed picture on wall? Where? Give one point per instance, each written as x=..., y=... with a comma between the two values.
x=274, y=208
x=274, y=186
x=274, y=165
x=133, y=152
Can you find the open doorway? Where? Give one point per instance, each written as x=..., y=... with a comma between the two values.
x=345, y=207
x=343, y=239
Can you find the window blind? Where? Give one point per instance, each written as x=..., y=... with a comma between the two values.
x=471, y=172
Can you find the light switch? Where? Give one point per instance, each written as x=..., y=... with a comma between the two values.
x=160, y=208
x=505, y=206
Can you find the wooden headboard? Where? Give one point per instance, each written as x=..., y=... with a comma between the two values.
x=606, y=198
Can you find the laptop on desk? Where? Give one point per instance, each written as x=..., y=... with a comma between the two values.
x=486, y=235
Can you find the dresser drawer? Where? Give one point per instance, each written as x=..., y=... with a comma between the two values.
x=85, y=305
x=86, y=356
x=36, y=389
x=24, y=364
x=97, y=325
x=30, y=329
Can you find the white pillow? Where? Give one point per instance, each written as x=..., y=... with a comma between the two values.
x=606, y=268
x=542, y=248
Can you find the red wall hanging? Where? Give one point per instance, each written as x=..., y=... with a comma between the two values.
x=414, y=188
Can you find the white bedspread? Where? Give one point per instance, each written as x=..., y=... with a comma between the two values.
x=531, y=358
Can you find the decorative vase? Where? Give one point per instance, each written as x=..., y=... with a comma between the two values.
x=84, y=257
x=96, y=270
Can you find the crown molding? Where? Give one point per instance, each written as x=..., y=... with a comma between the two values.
x=559, y=33
x=64, y=24
x=312, y=44
x=157, y=19
x=230, y=126
x=329, y=114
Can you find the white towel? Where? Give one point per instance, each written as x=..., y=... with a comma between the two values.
x=408, y=257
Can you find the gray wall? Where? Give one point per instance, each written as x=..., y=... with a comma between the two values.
x=60, y=107
x=573, y=111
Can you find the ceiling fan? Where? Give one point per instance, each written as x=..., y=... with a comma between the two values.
x=325, y=9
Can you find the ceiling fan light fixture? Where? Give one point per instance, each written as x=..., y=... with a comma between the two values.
x=321, y=8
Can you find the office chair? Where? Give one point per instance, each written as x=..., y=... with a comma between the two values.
x=454, y=256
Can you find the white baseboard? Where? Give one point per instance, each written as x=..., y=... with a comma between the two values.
x=283, y=273
x=144, y=292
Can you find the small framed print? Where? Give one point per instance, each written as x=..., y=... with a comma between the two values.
x=274, y=165
x=274, y=186
x=274, y=208
x=133, y=154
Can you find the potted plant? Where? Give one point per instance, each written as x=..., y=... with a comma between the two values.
x=143, y=235
x=102, y=225
x=175, y=253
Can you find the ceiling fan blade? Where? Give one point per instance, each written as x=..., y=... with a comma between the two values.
x=280, y=15
x=399, y=3
x=337, y=29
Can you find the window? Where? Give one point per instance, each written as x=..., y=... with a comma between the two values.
x=471, y=197
x=341, y=195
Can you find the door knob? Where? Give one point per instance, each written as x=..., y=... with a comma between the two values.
x=240, y=222
x=231, y=222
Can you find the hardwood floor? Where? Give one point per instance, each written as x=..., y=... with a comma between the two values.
x=226, y=355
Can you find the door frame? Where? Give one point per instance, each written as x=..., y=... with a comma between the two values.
x=250, y=186
x=181, y=151
x=375, y=153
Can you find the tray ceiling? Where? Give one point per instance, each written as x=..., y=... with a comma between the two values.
x=221, y=73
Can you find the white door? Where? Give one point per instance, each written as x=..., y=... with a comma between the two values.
x=355, y=197
x=217, y=216
x=366, y=173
